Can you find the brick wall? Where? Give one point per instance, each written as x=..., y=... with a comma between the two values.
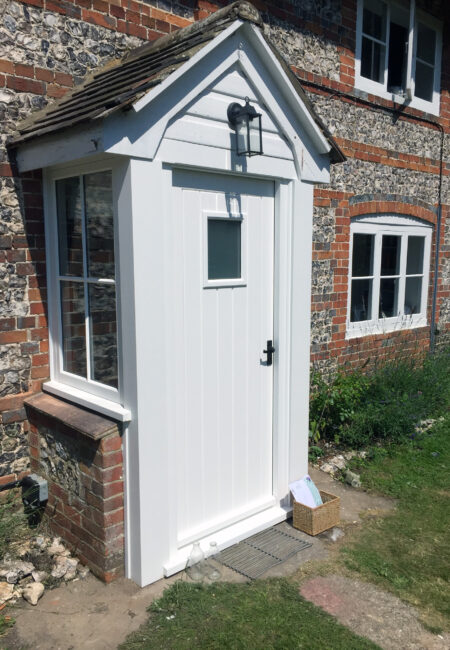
x=46, y=47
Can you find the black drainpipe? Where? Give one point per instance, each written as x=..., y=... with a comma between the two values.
x=397, y=113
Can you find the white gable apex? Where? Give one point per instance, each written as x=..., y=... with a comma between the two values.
x=240, y=53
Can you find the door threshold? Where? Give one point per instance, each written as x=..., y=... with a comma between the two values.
x=228, y=536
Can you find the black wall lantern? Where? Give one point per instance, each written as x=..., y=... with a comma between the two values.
x=247, y=124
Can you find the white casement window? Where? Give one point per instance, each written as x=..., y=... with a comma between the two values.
x=80, y=223
x=398, y=53
x=389, y=271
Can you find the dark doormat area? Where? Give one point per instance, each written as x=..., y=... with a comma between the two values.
x=254, y=556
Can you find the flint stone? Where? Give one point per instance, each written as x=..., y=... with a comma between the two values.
x=353, y=479
x=83, y=572
x=63, y=565
x=72, y=564
x=33, y=592
x=56, y=548
x=15, y=571
x=6, y=592
x=39, y=576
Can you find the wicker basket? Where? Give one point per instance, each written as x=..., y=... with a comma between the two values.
x=315, y=520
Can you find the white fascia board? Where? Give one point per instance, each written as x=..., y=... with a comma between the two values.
x=60, y=148
x=171, y=79
x=287, y=89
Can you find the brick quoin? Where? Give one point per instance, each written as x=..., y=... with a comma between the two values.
x=87, y=511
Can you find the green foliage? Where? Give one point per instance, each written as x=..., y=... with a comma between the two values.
x=268, y=614
x=408, y=552
x=5, y=623
x=12, y=521
x=334, y=404
x=385, y=405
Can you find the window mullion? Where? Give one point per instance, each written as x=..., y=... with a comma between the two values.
x=402, y=279
x=87, y=324
x=386, y=52
x=376, y=277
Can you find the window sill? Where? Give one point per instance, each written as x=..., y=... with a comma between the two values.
x=92, y=402
x=373, y=88
x=386, y=327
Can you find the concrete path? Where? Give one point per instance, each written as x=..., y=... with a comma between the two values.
x=372, y=613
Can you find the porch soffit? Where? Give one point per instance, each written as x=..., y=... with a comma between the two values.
x=120, y=85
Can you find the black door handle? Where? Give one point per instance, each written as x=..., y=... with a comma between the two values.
x=270, y=350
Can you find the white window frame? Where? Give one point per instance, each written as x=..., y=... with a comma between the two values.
x=225, y=282
x=86, y=392
x=380, y=89
x=388, y=224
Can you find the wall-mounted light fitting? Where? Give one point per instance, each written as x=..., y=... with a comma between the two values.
x=247, y=124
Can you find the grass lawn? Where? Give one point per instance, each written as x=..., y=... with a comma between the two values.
x=266, y=614
x=408, y=552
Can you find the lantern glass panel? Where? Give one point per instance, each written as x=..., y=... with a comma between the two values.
x=242, y=135
x=255, y=136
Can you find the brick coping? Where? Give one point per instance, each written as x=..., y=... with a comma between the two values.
x=78, y=418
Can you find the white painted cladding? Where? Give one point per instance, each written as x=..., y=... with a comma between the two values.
x=217, y=371
x=204, y=121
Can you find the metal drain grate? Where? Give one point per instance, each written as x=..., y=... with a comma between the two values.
x=255, y=555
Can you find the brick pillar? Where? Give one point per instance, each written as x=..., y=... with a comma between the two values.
x=80, y=454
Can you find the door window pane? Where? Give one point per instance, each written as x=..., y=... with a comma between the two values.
x=362, y=258
x=68, y=204
x=413, y=295
x=390, y=255
x=361, y=300
x=73, y=328
x=414, y=262
x=224, y=249
x=388, y=298
x=103, y=333
x=99, y=224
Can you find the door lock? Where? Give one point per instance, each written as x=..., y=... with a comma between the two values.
x=270, y=350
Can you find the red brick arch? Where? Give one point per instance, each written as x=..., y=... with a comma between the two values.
x=393, y=207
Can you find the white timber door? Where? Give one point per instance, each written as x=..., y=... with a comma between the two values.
x=221, y=380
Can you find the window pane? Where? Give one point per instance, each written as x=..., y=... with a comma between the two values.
x=388, y=298
x=426, y=43
x=224, y=249
x=414, y=262
x=99, y=224
x=413, y=295
x=374, y=19
x=102, y=309
x=73, y=327
x=397, y=58
x=390, y=255
x=424, y=81
x=69, y=226
x=362, y=258
x=372, y=60
x=361, y=300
